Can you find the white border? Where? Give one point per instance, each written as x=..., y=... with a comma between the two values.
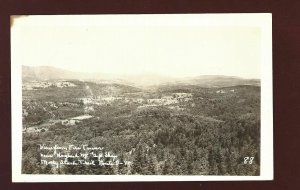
x=261, y=20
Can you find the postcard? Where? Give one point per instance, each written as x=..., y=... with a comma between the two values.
x=141, y=97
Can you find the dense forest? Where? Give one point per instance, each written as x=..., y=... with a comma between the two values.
x=159, y=130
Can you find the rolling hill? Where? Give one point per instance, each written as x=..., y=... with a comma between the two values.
x=45, y=73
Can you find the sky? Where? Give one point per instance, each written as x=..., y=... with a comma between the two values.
x=171, y=46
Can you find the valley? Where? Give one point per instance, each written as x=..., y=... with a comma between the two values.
x=167, y=129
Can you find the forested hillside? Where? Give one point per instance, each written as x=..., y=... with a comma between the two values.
x=176, y=129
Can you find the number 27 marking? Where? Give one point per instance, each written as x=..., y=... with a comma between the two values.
x=248, y=160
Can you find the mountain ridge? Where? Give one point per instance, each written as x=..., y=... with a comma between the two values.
x=44, y=73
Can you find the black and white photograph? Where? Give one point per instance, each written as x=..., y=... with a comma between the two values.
x=141, y=97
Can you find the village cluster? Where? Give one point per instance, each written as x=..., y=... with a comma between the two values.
x=171, y=101
x=45, y=84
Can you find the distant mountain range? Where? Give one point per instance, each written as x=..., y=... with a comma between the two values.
x=44, y=73
x=220, y=81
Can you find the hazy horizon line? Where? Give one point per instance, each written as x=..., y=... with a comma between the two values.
x=138, y=74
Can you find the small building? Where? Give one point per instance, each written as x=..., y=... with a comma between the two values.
x=220, y=92
x=75, y=120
